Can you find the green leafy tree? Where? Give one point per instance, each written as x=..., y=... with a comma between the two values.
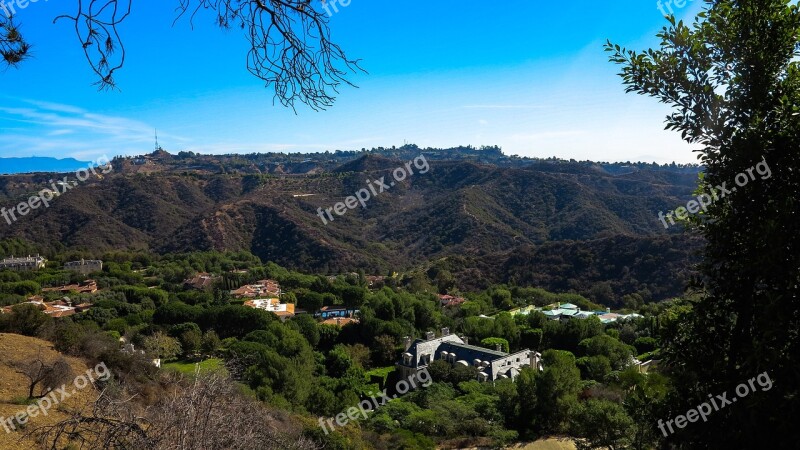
x=189, y=337
x=24, y=319
x=601, y=424
x=733, y=78
x=440, y=370
x=307, y=326
x=618, y=354
x=594, y=367
x=493, y=342
x=527, y=412
x=210, y=343
x=556, y=391
x=159, y=345
x=384, y=350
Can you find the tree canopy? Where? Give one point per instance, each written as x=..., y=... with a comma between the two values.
x=733, y=78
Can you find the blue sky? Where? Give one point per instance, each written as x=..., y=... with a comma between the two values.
x=527, y=75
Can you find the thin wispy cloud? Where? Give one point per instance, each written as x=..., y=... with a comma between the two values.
x=59, y=130
x=503, y=106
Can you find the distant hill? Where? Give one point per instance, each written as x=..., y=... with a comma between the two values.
x=560, y=225
x=37, y=164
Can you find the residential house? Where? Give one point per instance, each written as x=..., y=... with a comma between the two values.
x=59, y=308
x=273, y=305
x=523, y=311
x=262, y=288
x=84, y=287
x=552, y=314
x=491, y=365
x=449, y=301
x=339, y=321
x=645, y=366
x=23, y=264
x=84, y=266
x=375, y=281
x=202, y=281
x=328, y=312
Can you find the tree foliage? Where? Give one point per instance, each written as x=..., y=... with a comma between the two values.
x=733, y=78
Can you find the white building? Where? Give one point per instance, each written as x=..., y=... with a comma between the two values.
x=491, y=365
x=23, y=264
x=84, y=266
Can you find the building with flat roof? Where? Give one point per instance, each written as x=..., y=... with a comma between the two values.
x=491, y=365
x=328, y=312
x=339, y=321
x=23, y=264
x=273, y=305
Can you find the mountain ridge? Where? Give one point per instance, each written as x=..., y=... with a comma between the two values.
x=461, y=208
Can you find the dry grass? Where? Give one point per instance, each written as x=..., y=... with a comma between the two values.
x=13, y=386
x=546, y=444
x=541, y=444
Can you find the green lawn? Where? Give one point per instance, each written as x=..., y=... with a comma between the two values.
x=188, y=368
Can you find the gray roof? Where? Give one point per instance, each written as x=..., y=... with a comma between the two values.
x=472, y=350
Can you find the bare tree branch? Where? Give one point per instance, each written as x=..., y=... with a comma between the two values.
x=290, y=46
x=204, y=413
x=96, y=24
x=43, y=375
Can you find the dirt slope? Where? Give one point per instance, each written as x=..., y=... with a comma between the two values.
x=13, y=388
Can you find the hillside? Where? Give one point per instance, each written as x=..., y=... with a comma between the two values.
x=504, y=222
x=17, y=348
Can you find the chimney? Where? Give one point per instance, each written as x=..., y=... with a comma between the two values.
x=536, y=361
x=608, y=310
x=466, y=340
x=498, y=347
x=430, y=335
x=445, y=331
x=406, y=343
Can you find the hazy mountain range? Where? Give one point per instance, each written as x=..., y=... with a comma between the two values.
x=39, y=164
